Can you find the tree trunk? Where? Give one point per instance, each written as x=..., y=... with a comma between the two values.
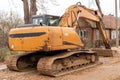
x=33, y=8
x=26, y=11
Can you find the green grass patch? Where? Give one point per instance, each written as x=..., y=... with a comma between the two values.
x=5, y=53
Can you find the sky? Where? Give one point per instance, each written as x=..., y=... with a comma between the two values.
x=17, y=7
x=106, y=5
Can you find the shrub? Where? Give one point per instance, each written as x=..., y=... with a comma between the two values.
x=5, y=53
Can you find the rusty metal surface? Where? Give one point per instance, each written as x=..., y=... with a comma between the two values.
x=105, y=52
x=67, y=62
x=59, y=64
x=12, y=62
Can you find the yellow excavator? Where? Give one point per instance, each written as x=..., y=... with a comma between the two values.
x=55, y=50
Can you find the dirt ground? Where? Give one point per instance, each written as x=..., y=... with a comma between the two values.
x=108, y=69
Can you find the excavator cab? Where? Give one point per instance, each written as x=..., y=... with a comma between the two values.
x=45, y=20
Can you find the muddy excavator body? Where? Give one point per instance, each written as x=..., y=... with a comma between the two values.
x=54, y=50
x=43, y=39
x=50, y=49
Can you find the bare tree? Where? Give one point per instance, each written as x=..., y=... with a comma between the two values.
x=26, y=11
x=33, y=8
x=29, y=10
x=8, y=21
x=42, y=5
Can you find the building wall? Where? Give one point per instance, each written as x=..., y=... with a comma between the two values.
x=92, y=37
x=113, y=34
x=85, y=34
x=108, y=34
x=97, y=39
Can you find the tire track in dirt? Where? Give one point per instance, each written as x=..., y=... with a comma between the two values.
x=6, y=74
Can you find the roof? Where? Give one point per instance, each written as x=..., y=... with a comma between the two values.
x=83, y=22
x=110, y=21
x=86, y=23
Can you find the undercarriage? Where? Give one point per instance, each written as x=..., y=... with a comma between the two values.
x=54, y=63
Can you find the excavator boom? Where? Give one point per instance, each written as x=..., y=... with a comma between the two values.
x=70, y=19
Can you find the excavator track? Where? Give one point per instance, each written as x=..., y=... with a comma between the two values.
x=66, y=62
x=21, y=62
x=53, y=65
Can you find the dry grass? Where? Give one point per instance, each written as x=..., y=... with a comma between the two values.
x=5, y=53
